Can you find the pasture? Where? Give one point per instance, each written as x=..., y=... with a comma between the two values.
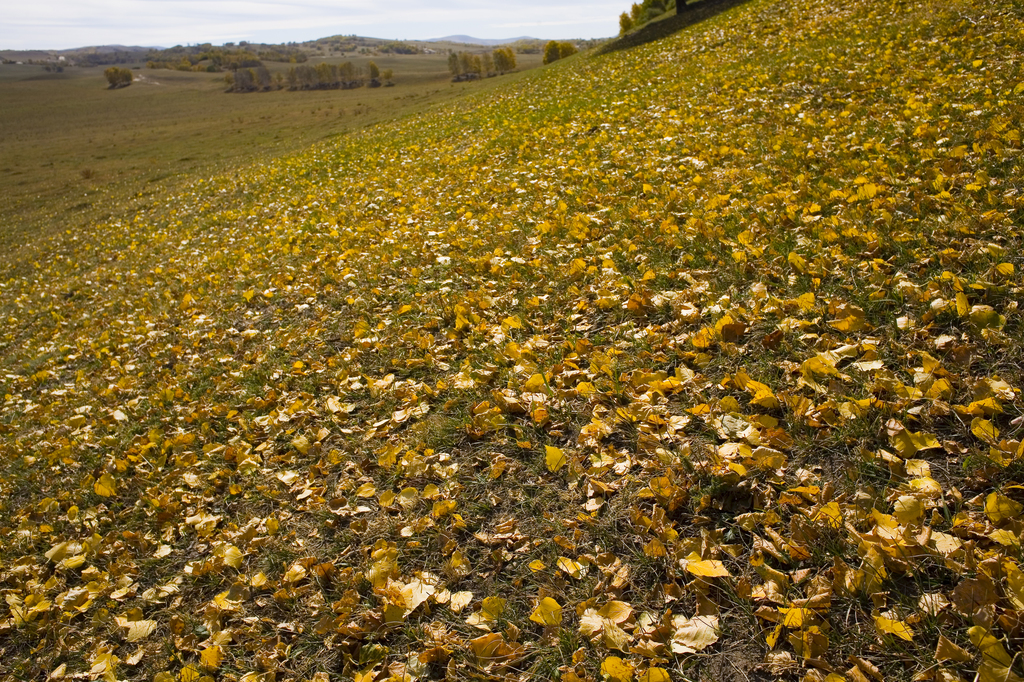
x=71, y=149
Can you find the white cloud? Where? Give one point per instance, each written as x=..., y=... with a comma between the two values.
x=75, y=23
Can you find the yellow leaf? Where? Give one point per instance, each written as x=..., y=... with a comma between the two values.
x=459, y=601
x=366, y=490
x=534, y=384
x=655, y=675
x=948, y=651
x=796, y=617
x=394, y=615
x=908, y=443
x=442, y=508
x=707, y=568
x=248, y=466
x=616, y=669
x=995, y=661
x=893, y=627
x=554, y=458
x=190, y=673
x=616, y=611
x=105, y=486
x=415, y=593
x=805, y=301
x=830, y=515
x=703, y=339
x=962, y=306
x=693, y=634
x=908, y=509
x=798, y=262
x=57, y=552
x=139, y=629
x=490, y=610
x=105, y=665
x=211, y=657
x=548, y=613
x=232, y=555
x=1014, y=584
x=985, y=430
x=573, y=568
x=301, y=443
x=1000, y=508
x=537, y=565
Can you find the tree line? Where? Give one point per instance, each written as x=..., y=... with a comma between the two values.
x=323, y=76
x=220, y=59
x=647, y=10
x=556, y=50
x=469, y=66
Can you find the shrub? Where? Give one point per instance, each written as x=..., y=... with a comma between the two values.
x=118, y=77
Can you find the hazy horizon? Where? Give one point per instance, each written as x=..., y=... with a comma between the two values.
x=63, y=25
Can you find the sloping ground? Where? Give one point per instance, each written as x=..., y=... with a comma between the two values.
x=696, y=361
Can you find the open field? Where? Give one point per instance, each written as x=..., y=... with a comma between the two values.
x=694, y=361
x=71, y=149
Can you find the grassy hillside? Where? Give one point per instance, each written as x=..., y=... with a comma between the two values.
x=695, y=361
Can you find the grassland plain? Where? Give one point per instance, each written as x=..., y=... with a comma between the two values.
x=72, y=150
x=700, y=360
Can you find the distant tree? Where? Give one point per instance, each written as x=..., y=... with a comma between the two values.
x=466, y=65
x=244, y=81
x=551, y=52
x=347, y=75
x=555, y=50
x=625, y=24
x=326, y=75
x=374, y=75
x=504, y=59
x=454, y=65
x=387, y=75
x=487, y=63
x=118, y=77
x=262, y=77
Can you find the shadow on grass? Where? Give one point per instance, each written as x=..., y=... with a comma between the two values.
x=656, y=30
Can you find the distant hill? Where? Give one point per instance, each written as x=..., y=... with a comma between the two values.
x=470, y=40
x=103, y=49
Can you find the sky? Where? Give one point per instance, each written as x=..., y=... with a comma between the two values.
x=63, y=24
